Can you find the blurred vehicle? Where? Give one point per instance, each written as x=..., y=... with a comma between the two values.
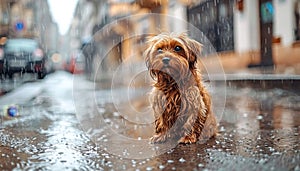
x=75, y=64
x=24, y=56
x=49, y=65
x=57, y=61
x=54, y=62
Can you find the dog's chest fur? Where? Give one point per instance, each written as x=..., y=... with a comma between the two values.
x=177, y=105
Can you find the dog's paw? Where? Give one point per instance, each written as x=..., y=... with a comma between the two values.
x=158, y=138
x=188, y=140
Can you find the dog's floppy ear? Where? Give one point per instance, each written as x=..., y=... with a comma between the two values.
x=193, y=46
x=195, y=49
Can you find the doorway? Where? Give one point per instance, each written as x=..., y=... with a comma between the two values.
x=266, y=13
x=297, y=20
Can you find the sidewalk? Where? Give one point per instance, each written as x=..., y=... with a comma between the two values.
x=263, y=78
x=234, y=68
x=265, y=73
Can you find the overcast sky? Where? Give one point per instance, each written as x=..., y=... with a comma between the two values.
x=62, y=13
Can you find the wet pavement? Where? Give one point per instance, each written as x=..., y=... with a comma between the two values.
x=7, y=85
x=259, y=130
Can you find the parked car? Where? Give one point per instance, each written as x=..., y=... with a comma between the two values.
x=24, y=56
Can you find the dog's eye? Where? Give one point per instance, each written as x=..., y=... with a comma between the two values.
x=177, y=48
x=159, y=50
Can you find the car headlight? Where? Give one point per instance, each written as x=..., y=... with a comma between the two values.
x=56, y=58
x=38, y=54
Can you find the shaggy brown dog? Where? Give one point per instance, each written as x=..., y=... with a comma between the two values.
x=181, y=104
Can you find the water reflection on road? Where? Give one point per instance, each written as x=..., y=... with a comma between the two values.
x=258, y=131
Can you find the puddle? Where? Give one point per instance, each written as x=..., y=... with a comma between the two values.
x=259, y=130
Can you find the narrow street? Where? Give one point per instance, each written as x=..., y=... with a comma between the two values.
x=256, y=132
x=75, y=87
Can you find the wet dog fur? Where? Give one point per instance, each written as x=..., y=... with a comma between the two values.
x=180, y=102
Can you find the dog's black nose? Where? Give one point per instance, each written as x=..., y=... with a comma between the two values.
x=166, y=60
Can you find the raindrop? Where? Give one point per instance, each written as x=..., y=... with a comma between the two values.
x=276, y=153
x=259, y=137
x=107, y=120
x=161, y=166
x=170, y=161
x=170, y=151
x=259, y=117
x=133, y=161
x=200, y=165
x=125, y=152
x=222, y=129
x=262, y=161
x=149, y=168
x=116, y=114
x=143, y=162
x=181, y=160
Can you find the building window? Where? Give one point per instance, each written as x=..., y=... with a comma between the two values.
x=215, y=20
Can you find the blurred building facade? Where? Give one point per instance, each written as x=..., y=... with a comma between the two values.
x=28, y=19
x=91, y=16
x=4, y=20
x=265, y=33
x=243, y=32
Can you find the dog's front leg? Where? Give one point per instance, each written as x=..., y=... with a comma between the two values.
x=189, y=131
x=160, y=132
x=157, y=98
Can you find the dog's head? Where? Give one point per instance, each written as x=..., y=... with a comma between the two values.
x=171, y=56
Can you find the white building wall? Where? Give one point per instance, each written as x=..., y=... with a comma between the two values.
x=88, y=21
x=177, y=10
x=246, y=24
x=246, y=27
x=284, y=20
